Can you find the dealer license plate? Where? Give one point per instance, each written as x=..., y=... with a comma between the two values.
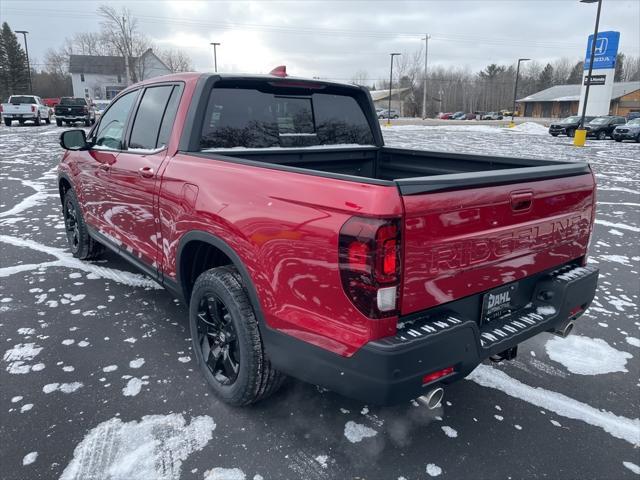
x=497, y=303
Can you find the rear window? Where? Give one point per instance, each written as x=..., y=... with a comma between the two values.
x=73, y=101
x=249, y=118
x=18, y=99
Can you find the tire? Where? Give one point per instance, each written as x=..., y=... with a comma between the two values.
x=81, y=244
x=7, y=122
x=87, y=122
x=221, y=318
x=638, y=138
x=58, y=122
x=48, y=120
x=554, y=134
x=93, y=121
x=36, y=122
x=21, y=122
x=618, y=140
x=571, y=133
x=601, y=135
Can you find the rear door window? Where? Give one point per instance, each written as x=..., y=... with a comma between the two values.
x=146, y=126
x=251, y=118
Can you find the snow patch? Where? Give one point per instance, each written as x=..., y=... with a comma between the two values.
x=632, y=466
x=633, y=341
x=137, y=363
x=29, y=458
x=63, y=387
x=224, y=474
x=356, y=432
x=133, y=387
x=154, y=447
x=433, y=470
x=449, y=432
x=586, y=356
x=619, y=427
x=18, y=355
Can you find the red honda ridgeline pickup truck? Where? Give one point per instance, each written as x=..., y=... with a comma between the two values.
x=304, y=246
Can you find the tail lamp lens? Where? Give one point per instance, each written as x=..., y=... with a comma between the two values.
x=369, y=255
x=33, y=108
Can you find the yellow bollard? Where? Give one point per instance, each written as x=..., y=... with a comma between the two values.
x=580, y=138
x=512, y=124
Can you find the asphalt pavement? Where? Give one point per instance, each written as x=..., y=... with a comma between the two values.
x=98, y=381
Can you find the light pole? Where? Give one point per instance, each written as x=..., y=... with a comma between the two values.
x=424, y=94
x=390, y=85
x=515, y=90
x=26, y=48
x=215, y=56
x=581, y=134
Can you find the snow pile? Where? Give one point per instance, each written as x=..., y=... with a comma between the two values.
x=154, y=447
x=586, y=356
x=356, y=432
x=530, y=128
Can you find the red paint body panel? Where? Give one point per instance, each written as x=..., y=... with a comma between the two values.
x=468, y=241
x=284, y=226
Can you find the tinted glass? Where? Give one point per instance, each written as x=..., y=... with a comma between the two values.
x=73, y=101
x=571, y=120
x=169, y=117
x=111, y=129
x=146, y=126
x=599, y=121
x=635, y=121
x=250, y=118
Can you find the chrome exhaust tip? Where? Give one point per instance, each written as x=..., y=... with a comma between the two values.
x=564, y=331
x=433, y=399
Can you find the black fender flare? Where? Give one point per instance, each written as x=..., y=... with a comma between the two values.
x=217, y=242
x=64, y=176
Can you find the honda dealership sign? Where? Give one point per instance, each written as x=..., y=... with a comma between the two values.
x=604, y=68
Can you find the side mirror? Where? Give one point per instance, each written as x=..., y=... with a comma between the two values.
x=74, y=140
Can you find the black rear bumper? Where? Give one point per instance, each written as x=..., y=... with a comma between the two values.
x=391, y=370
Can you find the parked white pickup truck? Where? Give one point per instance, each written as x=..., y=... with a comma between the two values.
x=25, y=108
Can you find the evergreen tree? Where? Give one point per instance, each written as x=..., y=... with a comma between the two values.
x=545, y=80
x=4, y=69
x=575, y=77
x=14, y=74
x=618, y=75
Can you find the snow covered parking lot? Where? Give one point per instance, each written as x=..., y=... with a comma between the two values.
x=97, y=379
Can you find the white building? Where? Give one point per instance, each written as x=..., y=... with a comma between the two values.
x=103, y=77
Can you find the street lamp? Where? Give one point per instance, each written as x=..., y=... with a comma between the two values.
x=390, y=85
x=26, y=48
x=581, y=134
x=515, y=90
x=215, y=57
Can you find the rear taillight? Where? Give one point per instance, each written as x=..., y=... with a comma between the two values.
x=369, y=253
x=33, y=108
x=0, y=108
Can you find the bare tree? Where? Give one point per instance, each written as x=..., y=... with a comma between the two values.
x=176, y=60
x=120, y=30
x=360, y=77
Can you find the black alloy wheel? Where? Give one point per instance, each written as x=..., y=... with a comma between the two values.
x=71, y=225
x=218, y=340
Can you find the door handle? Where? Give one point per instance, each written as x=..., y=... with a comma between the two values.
x=146, y=172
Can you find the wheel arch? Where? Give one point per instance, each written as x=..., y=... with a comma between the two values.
x=185, y=281
x=64, y=185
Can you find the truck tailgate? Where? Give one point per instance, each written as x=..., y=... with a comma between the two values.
x=462, y=242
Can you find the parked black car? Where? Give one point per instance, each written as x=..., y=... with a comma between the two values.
x=602, y=127
x=628, y=131
x=75, y=109
x=567, y=126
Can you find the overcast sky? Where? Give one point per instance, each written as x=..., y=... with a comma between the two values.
x=334, y=39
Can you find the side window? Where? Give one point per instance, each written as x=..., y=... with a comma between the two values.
x=109, y=133
x=169, y=116
x=146, y=126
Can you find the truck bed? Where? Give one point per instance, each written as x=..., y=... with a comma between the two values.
x=414, y=171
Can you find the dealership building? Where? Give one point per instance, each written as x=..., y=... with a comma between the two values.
x=562, y=100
